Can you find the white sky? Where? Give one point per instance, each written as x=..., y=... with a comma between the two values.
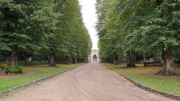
x=89, y=17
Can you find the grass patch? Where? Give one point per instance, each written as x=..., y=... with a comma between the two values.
x=31, y=73
x=147, y=77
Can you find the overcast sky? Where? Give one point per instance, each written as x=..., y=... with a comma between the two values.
x=89, y=18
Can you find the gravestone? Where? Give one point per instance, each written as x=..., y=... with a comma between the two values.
x=123, y=59
x=156, y=60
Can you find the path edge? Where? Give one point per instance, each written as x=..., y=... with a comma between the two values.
x=7, y=92
x=165, y=94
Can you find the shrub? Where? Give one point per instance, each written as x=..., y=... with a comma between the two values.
x=19, y=69
x=5, y=67
x=9, y=69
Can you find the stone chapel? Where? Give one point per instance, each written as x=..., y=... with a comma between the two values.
x=94, y=56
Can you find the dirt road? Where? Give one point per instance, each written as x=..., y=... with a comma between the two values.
x=90, y=82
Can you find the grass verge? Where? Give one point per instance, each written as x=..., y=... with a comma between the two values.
x=147, y=77
x=32, y=73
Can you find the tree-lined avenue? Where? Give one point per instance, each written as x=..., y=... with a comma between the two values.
x=90, y=82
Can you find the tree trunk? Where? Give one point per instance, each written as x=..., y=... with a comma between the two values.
x=70, y=60
x=75, y=60
x=144, y=57
x=111, y=61
x=52, y=60
x=116, y=60
x=66, y=60
x=169, y=67
x=131, y=58
x=11, y=59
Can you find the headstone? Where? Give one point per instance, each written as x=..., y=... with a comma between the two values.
x=148, y=64
x=156, y=60
x=123, y=59
x=29, y=59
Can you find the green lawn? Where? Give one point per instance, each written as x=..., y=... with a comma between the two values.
x=31, y=73
x=147, y=77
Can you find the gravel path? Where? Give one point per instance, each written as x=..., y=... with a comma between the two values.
x=90, y=82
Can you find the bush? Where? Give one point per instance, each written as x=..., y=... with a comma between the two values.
x=9, y=69
x=5, y=67
x=19, y=69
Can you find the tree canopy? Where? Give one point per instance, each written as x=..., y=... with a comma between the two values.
x=43, y=27
x=140, y=25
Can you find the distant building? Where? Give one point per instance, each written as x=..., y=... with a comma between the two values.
x=94, y=56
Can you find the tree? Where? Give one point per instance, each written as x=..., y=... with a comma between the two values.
x=52, y=27
x=163, y=23
x=23, y=26
x=71, y=40
x=143, y=25
x=157, y=33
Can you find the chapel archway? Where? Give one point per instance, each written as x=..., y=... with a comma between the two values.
x=94, y=58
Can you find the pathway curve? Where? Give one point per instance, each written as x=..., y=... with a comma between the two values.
x=90, y=82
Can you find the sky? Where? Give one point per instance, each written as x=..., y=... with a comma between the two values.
x=89, y=18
